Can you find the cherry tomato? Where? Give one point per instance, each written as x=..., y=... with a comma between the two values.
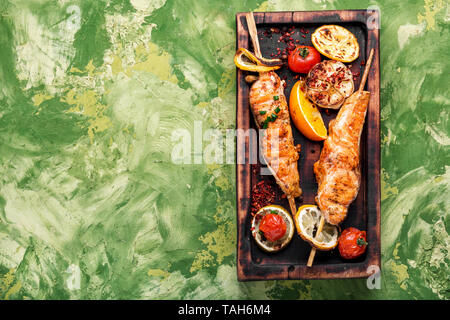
x=303, y=58
x=273, y=226
x=352, y=243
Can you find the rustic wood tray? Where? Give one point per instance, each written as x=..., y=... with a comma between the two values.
x=364, y=213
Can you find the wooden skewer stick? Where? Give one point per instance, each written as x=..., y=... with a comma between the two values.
x=253, y=33
x=322, y=219
x=312, y=254
x=366, y=72
x=292, y=205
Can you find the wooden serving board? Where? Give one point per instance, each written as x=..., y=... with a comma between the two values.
x=364, y=212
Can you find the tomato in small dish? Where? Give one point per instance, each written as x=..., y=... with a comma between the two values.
x=303, y=58
x=352, y=243
x=273, y=227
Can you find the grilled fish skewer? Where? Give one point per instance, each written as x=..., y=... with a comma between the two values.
x=270, y=110
x=338, y=170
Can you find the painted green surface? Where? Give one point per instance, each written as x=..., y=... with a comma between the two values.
x=90, y=92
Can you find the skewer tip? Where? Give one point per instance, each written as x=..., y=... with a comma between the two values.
x=366, y=72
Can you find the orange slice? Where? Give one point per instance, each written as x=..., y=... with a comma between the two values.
x=336, y=42
x=307, y=220
x=305, y=115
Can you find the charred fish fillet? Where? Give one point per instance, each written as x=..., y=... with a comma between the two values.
x=338, y=170
x=270, y=110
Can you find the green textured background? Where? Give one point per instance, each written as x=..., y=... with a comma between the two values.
x=90, y=92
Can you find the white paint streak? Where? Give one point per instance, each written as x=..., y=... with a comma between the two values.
x=439, y=136
x=43, y=52
x=408, y=30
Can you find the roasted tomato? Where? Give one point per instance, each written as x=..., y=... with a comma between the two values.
x=352, y=243
x=273, y=227
x=303, y=58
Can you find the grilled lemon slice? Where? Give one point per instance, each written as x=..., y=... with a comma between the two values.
x=336, y=42
x=329, y=83
x=245, y=60
x=307, y=222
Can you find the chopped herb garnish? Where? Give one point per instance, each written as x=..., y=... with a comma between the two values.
x=273, y=211
x=270, y=118
x=277, y=110
x=276, y=98
x=262, y=112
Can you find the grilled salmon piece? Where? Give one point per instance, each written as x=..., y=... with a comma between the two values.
x=270, y=110
x=337, y=171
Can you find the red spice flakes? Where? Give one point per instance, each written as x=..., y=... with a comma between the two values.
x=304, y=31
x=363, y=63
x=268, y=33
x=262, y=195
x=303, y=36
